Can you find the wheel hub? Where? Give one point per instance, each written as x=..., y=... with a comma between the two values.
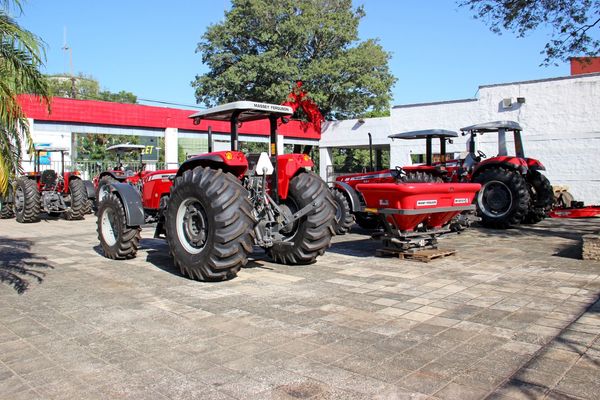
x=495, y=199
x=192, y=226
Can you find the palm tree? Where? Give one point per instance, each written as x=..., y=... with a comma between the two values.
x=21, y=55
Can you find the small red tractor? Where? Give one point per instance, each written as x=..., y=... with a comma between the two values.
x=216, y=206
x=51, y=192
x=120, y=173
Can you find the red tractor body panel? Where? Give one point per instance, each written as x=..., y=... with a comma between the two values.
x=234, y=162
x=382, y=176
x=288, y=166
x=156, y=185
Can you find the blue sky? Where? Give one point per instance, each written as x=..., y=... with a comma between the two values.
x=439, y=52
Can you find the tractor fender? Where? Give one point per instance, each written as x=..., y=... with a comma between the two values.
x=234, y=162
x=510, y=163
x=351, y=195
x=90, y=189
x=119, y=178
x=535, y=165
x=132, y=203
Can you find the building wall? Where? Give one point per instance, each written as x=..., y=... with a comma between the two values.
x=560, y=117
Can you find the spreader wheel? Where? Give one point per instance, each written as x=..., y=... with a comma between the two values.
x=78, y=205
x=503, y=199
x=209, y=224
x=27, y=201
x=118, y=241
x=542, y=197
x=308, y=237
x=344, y=219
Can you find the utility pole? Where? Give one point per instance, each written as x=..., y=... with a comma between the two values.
x=66, y=48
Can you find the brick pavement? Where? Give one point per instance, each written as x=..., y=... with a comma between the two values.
x=512, y=315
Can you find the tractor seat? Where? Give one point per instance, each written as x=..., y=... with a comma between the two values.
x=49, y=177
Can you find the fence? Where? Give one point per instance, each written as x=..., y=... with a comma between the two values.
x=89, y=169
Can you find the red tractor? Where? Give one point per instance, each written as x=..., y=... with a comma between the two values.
x=219, y=204
x=121, y=173
x=51, y=192
x=513, y=189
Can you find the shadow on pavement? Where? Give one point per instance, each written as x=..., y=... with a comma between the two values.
x=579, y=374
x=158, y=255
x=18, y=265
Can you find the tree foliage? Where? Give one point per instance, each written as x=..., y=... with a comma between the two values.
x=575, y=23
x=263, y=46
x=85, y=88
x=21, y=55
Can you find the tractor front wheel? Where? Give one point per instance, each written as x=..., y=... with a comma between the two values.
x=503, y=199
x=27, y=201
x=344, y=219
x=118, y=241
x=77, y=208
x=7, y=209
x=542, y=197
x=209, y=224
x=308, y=237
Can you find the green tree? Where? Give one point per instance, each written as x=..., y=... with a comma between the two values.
x=21, y=55
x=263, y=46
x=85, y=88
x=574, y=23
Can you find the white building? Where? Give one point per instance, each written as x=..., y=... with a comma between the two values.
x=560, y=117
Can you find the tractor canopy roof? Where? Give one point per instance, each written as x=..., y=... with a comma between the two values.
x=424, y=134
x=126, y=147
x=246, y=110
x=52, y=149
x=494, y=126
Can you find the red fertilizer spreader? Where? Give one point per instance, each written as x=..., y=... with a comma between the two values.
x=416, y=214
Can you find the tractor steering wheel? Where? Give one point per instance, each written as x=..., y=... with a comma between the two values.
x=481, y=154
x=398, y=173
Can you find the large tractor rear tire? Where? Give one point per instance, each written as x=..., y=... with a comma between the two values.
x=27, y=201
x=118, y=241
x=209, y=224
x=542, y=197
x=344, y=219
x=78, y=204
x=309, y=236
x=503, y=199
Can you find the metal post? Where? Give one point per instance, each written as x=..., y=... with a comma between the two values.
x=443, y=150
x=519, y=150
x=273, y=154
x=62, y=163
x=370, y=152
x=210, y=139
x=428, y=150
x=234, y=130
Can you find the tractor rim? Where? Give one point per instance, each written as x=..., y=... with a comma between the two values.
x=192, y=226
x=109, y=230
x=102, y=192
x=495, y=199
x=19, y=200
